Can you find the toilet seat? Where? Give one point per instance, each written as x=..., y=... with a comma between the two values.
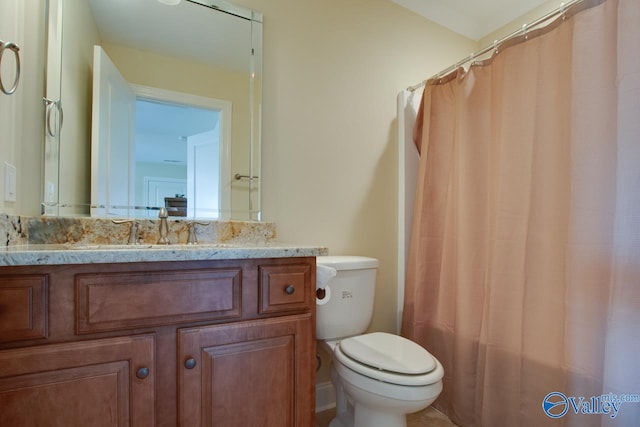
x=388, y=358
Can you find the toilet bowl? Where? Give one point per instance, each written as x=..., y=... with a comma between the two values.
x=379, y=388
x=378, y=377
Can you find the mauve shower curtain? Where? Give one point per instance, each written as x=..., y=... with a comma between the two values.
x=523, y=276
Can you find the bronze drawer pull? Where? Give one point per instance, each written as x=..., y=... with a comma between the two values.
x=190, y=363
x=142, y=373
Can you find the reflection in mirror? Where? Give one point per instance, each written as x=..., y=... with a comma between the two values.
x=169, y=98
x=181, y=151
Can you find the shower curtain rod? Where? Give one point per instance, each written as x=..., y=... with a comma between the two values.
x=564, y=7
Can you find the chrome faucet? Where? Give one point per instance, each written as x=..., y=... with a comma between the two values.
x=164, y=227
x=133, y=232
x=192, y=240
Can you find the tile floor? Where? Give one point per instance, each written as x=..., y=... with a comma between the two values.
x=430, y=417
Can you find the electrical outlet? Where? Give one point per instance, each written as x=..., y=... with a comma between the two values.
x=9, y=182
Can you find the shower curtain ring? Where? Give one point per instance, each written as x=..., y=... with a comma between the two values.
x=524, y=30
x=563, y=11
x=495, y=47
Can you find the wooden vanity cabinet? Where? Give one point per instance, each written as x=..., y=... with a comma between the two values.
x=246, y=374
x=105, y=382
x=180, y=343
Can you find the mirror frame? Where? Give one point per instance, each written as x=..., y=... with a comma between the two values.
x=51, y=202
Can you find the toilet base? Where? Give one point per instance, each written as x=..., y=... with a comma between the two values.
x=367, y=417
x=371, y=418
x=350, y=413
x=344, y=408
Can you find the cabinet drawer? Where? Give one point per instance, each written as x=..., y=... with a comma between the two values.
x=285, y=287
x=23, y=307
x=111, y=301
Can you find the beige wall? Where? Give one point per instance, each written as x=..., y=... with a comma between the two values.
x=332, y=72
x=516, y=24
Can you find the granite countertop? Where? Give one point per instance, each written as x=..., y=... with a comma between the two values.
x=84, y=240
x=80, y=253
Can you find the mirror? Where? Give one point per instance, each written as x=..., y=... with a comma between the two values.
x=153, y=105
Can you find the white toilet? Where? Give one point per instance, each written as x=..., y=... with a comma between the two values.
x=378, y=377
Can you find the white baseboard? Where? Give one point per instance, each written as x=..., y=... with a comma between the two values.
x=325, y=396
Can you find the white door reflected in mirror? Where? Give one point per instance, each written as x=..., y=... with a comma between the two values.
x=163, y=140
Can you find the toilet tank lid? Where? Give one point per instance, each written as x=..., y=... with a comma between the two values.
x=344, y=262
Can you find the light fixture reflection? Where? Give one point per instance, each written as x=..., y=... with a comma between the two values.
x=170, y=2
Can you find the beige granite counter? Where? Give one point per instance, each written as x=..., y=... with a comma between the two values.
x=99, y=253
x=60, y=240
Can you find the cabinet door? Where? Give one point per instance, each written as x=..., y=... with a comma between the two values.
x=258, y=373
x=107, y=382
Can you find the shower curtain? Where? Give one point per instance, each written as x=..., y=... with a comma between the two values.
x=523, y=276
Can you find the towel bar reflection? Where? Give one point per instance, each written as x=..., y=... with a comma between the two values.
x=238, y=177
x=52, y=107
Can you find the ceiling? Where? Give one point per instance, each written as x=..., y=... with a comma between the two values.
x=471, y=18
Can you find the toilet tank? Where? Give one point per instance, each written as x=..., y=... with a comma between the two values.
x=348, y=305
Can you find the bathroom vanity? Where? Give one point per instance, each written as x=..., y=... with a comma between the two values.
x=157, y=336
